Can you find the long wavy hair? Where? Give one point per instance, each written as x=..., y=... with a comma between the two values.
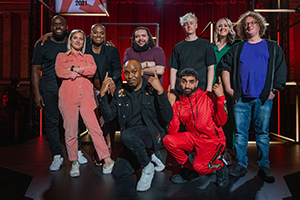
x=150, y=41
x=261, y=21
x=231, y=34
x=71, y=35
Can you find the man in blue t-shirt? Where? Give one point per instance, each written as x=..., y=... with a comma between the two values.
x=253, y=72
x=45, y=88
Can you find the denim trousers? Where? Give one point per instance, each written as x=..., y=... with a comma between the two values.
x=137, y=139
x=246, y=110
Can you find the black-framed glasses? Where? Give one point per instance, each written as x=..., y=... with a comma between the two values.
x=247, y=24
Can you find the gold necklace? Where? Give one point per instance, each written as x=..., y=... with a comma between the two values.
x=96, y=51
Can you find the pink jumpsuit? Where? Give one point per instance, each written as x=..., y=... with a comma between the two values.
x=76, y=94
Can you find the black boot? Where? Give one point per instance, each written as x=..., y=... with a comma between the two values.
x=265, y=174
x=222, y=177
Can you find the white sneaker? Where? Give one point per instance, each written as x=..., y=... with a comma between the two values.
x=56, y=163
x=75, y=169
x=146, y=178
x=108, y=169
x=159, y=165
x=81, y=159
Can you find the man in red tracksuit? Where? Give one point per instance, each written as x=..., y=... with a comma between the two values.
x=202, y=113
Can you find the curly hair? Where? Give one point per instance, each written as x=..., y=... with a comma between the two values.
x=71, y=35
x=231, y=34
x=150, y=41
x=261, y=21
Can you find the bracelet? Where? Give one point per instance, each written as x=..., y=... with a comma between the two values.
x=72, y=68
x=274, y=91
x=174, y=92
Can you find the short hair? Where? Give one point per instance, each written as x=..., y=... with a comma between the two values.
x=132, y=60
x=61, y=17
x=71, y=35
x=187, y=17
x=231, y=34
x=261, y=21
x=150, y=41
x=98, y=24
x=188, y=72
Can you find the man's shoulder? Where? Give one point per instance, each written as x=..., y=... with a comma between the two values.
x=157, y=51
x=129, y=49
x=237, y=45
x=179, y=44
x=157, y=48
x=201, y=40
x=110, y=48
x=53, y=46
x=271, y=42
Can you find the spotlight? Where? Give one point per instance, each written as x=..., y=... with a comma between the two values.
x=297, y=8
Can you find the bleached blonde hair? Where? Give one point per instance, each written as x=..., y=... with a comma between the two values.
x=187, y=17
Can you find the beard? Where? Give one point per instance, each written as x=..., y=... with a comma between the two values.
x=188, y=92
x=138, y=48
x=59, y=37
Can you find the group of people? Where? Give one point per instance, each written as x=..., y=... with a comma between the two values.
x=79, y=73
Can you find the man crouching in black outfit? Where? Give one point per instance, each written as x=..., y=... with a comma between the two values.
x=143, y=109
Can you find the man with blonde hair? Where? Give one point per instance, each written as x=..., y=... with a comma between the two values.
x=192, y=52
x=253, y=72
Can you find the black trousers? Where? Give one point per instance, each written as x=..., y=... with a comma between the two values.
x=133, y=154
x=51, y=119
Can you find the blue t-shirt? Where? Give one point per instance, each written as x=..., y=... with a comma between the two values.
x=253, y=68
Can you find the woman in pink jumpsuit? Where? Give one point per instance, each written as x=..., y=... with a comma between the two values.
x=76, y=95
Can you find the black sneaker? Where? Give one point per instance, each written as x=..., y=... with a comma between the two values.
x=188, y=174
x=265, y=174
x=177, y=178
x=222, y=177
x=185, y=175
x=238, y=171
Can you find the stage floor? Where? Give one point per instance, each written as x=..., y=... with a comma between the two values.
x=33, y=158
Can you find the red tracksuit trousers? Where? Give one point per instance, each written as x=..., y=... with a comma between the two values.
x=207, y=150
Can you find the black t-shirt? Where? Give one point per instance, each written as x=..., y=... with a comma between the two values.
x=46, y=56
x=135, y=110
x=197, y=54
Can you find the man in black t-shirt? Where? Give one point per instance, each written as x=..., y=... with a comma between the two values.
x=45, y=88
x=192, y=52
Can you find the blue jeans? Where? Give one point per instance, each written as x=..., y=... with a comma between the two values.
x=244, y=112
